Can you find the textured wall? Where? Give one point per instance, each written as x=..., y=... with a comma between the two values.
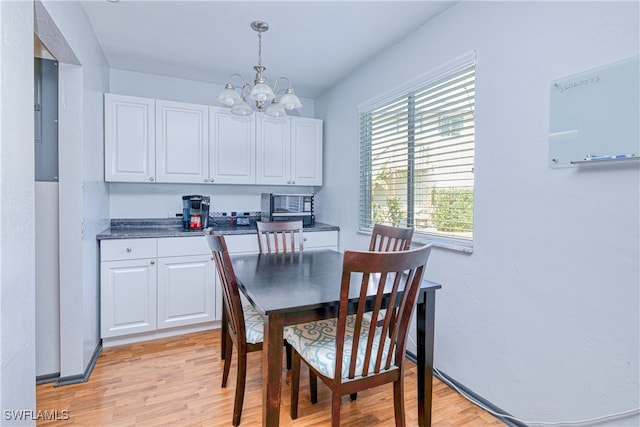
x=17, y=253
x=542, y=319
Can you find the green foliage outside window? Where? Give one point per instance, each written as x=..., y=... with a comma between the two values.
x=452, y=209
x=389, y=214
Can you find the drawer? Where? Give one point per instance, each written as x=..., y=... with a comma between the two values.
x=320, y=239
x=242, y=243
x=182, y=246
x=123, y=249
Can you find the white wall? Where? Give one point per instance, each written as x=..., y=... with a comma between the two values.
x=543, y=318
x=17, y=231
x=164, y=200
x=158, y=200
x=133, y=83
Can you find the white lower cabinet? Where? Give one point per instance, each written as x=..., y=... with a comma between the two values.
x=248, y=243
x=320, y=240
x=128, y=297
x=157, y=287
x=185, y=294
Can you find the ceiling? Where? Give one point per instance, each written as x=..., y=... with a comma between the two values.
x=313, y=43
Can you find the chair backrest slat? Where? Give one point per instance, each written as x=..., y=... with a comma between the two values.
x=276, y=233
x=385, y=238
x=398, y=274
x=231, y=294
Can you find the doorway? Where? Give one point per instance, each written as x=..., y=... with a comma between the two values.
x=47, y=222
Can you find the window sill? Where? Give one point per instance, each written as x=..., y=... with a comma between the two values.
x=453, y=245
x=450, y=244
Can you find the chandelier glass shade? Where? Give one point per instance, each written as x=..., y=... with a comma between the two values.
x=261, y=92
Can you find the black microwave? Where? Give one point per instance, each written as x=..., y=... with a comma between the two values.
x=288, y=207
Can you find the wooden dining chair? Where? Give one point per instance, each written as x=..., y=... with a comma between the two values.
x=386, y=238
x=349, y=353
x=274, y=236
x=244, y=326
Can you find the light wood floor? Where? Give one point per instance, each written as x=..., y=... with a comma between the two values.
x=176, y=381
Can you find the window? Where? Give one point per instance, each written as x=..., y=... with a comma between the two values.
x=417, y=155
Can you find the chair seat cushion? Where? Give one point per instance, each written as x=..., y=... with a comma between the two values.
x=254, y=324
x=381, y=315
x=316, y=343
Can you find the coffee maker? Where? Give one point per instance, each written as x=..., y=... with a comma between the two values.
x=195, y=212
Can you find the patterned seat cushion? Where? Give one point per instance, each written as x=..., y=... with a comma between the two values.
x=381, y=315
x=254, y=324
x=316, y=343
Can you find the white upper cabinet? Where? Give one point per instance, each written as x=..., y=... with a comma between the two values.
x=130, y=138
x=182, y=142
x=149, y=140
x=273, y=145
x=289, y=151
x=232, y=147
x=306, y=151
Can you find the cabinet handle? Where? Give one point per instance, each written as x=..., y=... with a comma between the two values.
x=153, y=262
x=211, y=180
x=304, y=239
x=293, y=182
x=151, y=179
x=128, y=249
x=206, y=180
x=288, y=182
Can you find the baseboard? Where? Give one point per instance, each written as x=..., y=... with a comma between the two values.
x=446, y=378
x=84, y=377
x=47, y=378
x=159, y=333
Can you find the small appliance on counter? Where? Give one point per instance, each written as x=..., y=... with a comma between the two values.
x=288, y=207
x=241, y=218
x=195, y=212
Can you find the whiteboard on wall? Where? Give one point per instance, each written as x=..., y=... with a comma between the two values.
x=595, y=115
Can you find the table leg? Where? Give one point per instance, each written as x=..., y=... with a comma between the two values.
x=272, y=370
x=425, y=318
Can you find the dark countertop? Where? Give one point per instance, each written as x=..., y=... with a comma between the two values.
x=169, y=227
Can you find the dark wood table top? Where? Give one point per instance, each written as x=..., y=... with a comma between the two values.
x=294, y=282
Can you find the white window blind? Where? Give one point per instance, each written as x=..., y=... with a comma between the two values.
x=417, y=155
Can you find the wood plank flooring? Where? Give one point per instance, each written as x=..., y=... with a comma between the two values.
x=176, y=381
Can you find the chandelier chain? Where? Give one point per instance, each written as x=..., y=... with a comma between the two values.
x=260, y=49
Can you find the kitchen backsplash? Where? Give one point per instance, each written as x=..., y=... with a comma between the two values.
x=165, y=200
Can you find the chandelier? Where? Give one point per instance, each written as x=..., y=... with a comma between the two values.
x=261, y=92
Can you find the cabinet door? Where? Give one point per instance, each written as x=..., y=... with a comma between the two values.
x=273, y=150
x=306, y=151
x=127, y=297
x=320, y=239
x=232, y=152
x=186, y=291
x=182, y=142
x=129, y=139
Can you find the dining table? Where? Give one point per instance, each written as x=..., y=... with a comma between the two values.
x=297, y=287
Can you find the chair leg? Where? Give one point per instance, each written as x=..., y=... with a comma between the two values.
x=398, y=402
x=353, y=396
x=295, y=383
x=240, y=383
x=313, y=387
x=287, y=348
x=228, y=350
x=335, y=409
